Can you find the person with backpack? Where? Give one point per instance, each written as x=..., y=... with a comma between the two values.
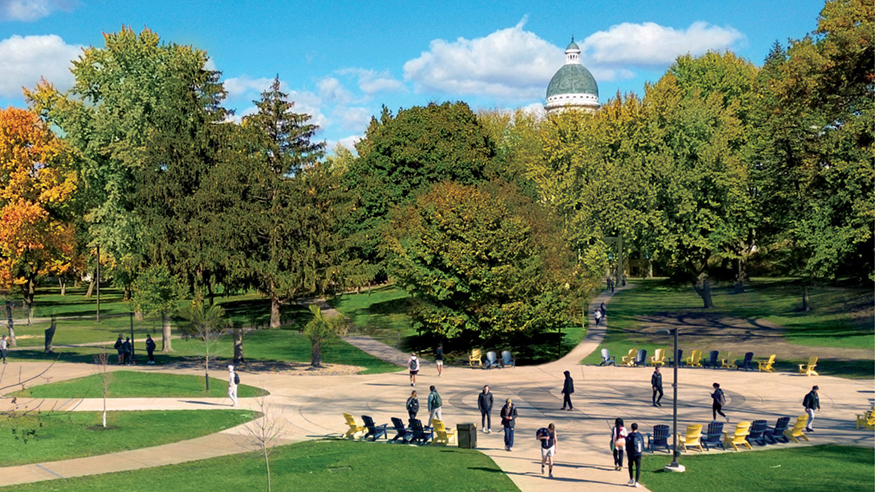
x=233, y=381
x=618, y=443
x=811, y=402
x=719, y=400
x=434, y=404
x=412, y=405
x=598, y=317
x=150, y=349
x=634, y=451
x=567, y=390
x=128, y=351
x=484, y=403
x=508, y=420
x=656, y=384
x=549, y=444
x=119, y=346
x=413, y=366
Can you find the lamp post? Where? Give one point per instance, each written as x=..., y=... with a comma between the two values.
x=674, y=466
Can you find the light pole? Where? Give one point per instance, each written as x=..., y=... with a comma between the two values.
x=674, y=466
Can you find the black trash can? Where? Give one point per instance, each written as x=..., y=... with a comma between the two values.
x=466, y=434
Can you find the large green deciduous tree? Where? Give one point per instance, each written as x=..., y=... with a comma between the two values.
x=483, y=263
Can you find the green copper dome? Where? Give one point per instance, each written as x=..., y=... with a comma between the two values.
x=572, y=78
x=572, y=46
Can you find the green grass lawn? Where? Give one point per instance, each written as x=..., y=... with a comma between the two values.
x=261, y=345
x=810, y=469
x=329, y=465
x=838, y=319
x=133, y=384
x=66, y=435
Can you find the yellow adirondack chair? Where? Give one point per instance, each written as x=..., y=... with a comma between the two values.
x=796, y=432
x=695, y=360
x=867, y=419
x=742, y=429
x=442, y=435
x=629, y=359
x=354, y=428
x=658, y=358
x=728, y=362
x=476, y=357
x=692, y=438
x=767, y=365
x=808, y=369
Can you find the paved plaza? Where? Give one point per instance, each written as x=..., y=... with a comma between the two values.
x=313, y=407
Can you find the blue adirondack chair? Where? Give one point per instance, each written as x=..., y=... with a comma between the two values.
x=607, y=358
x=712, y=360
x=659, y=439
x=746, y=362
x=492, y=360
x=401, y=431
x=714, y=436
x=375, y=431
x=775, y=434
x=507, y=359
x=757, y=431
x=679, y=358
x=641, y=358
x=421, y=435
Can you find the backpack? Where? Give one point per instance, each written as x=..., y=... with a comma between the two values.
x=541, y=432
x=635, y=444
x=236, y=378
x=436, y=400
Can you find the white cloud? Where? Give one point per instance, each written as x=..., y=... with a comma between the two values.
x=30, y=10
x=650, y=45
x=355, y=118
x=332, y=90
x=348, y=142
x=24, y=60
x=371, y=82
x=507, y=64
x=245, y=85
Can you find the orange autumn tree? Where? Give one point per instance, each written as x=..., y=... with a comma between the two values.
x=37, y=183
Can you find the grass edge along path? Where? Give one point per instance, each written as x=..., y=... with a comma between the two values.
x=827, y=468
x=311, y=465
x=68, y=435
x=137, y=384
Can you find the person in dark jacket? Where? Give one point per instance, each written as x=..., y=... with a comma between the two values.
x=634, y=450
x=128, y=350
x=150, y=349
x=508, y=420
x=484, y=403
x=439, y=358
x=656, y=384
x=719, y=400
x=119, y=346
x=811, y=402
x=567, y=389
x=412, y=405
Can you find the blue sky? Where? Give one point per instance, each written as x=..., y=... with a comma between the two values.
x=342, y=60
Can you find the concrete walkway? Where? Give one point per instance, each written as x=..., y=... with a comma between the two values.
x=312, y=407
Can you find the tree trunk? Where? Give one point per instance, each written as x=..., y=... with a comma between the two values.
x=90, y=287
x=138, y=315
x=28, y=302
x=316, y=353
x=165, y=334
x=274, y=309
x=806, y=305
x=207, y=370
x=238, y=346
x=11, y=325
x=127, y=293
x=705, y=293
x=63, y=283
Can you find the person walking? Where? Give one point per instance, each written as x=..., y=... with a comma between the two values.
x=233, y=381
x=603, y=310
x=567, y=390
x=412, y=405
x=434, y=404
x=549, y=445
x=811, y=402
x=150, y=349
x=598, y=317
x=3, y=345
x=508, y=420
x=656, y=384
x=119, y=346
x=439, y=358
x=634, y=450
x=128, y=350
x=484, y=403
x=618, y=443
x=719, y=400
x=413, y=365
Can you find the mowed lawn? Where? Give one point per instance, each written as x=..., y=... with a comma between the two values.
x=326, y=465
x=133, y=384
x=810, y=469
x=66, y=435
